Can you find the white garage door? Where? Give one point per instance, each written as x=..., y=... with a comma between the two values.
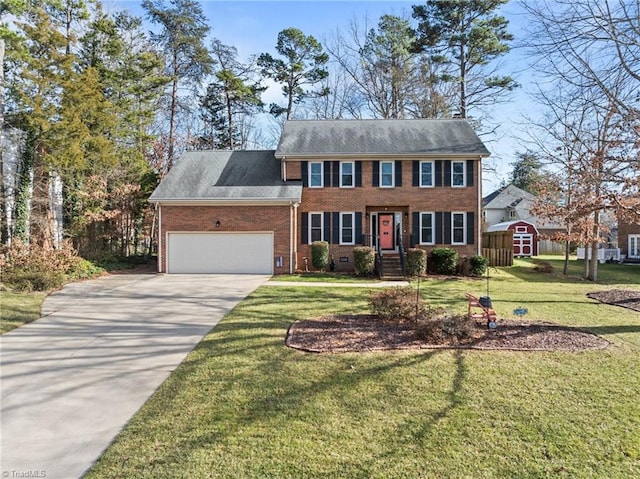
x=249, y=253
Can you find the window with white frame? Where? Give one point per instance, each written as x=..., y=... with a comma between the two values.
x=386, y=174
x=347, y=222
x=346, y=174
x=315, y=227
x=458, y=228
x=427, y=228
x=426, y=173
x=316, y=175
x=458, y=173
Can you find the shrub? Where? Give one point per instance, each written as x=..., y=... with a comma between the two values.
x=416, y=262
x=320, y=254
x=478, y=265
x=439, y=328
x=364, y=259
x=32, y=268
x=402, y=303
x=444, y=260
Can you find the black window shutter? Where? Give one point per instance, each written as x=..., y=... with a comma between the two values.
x=326, y=231
x=447, y=173
x=336, y=227
x=304, y=224
x=358, y=173
x=447, y=227
x=416, y=172
x=304, y=165
x=376, y=174
x=327, y=173
x=470, y=173
x=439, y=173
x=398, y=178
x=439, y=227
x=470, y=227
x=415, y=228
x=358, y=229
x=335, y=165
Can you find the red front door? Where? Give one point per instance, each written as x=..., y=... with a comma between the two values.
x=386, y=229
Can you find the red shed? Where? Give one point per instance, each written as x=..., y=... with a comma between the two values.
x=525, y=236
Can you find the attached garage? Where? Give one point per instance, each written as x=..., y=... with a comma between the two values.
x=220, y=253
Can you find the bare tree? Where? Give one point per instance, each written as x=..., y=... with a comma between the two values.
x=589, y=61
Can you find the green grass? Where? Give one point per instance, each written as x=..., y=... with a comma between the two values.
x=243, y=405
x=18, y=309
x=318, y=277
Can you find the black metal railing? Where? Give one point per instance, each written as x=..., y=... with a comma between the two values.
x=403, y=259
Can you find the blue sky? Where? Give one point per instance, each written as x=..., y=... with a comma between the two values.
x=252, y=27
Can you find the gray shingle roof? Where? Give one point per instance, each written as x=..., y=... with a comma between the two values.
x=302, y=138
x=226, y=176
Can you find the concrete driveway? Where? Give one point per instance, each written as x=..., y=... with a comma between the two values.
x=71, y=380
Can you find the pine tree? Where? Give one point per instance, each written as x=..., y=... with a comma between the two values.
x=467, y=35
x=182, y=35
x=304, y=64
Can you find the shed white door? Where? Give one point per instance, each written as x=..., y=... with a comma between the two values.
x=522, y=245
x=248, y=253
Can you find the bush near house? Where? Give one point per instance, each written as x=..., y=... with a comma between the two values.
x=478, y=265
x=444, y=260
x=320, y=254
x=416, y=262
x=364, y=259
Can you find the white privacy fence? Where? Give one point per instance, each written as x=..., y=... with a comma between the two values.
x=604, y=254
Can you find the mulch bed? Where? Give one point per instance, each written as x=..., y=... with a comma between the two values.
x=345, y=333
x=624, y=298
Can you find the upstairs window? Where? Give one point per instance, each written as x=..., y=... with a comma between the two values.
x=387, y=174
x=458, y=173
x=347, y=174
x=426, y=173
x=316, y=175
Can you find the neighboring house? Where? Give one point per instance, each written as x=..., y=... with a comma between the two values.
x=629, y=239
x=390, y=184
x=509, y=204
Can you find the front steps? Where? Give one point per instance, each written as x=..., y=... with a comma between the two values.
x=392, y=268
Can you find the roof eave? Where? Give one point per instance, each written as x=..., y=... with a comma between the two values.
x=294, y=157
x=225, y=201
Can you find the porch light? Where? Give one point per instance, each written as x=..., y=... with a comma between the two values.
x=218, y=224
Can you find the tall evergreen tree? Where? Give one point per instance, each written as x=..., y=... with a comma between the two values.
x=183, y=30
x=468, y=35
x=230, y=97
x=303, y=64
x=527, y=172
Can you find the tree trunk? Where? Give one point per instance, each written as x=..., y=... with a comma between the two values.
x=172, y=121
x=4, y=223
x=567, y=249
x=593, y=267
x=41, y=228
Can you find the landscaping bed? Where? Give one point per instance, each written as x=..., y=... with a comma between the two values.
x=344, y=333
x=624, y=298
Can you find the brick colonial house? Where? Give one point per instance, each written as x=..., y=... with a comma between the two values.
x=389, y=184
x=629, y=240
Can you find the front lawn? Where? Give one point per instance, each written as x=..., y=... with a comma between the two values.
x=243, y=405
x=19, y=308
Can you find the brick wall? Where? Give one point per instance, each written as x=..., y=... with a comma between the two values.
x=232, y=218
x=624, y=230
x=405, y=200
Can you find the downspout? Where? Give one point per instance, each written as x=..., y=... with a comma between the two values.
x=293, y=238
x=161, y=268
x=479, y=220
